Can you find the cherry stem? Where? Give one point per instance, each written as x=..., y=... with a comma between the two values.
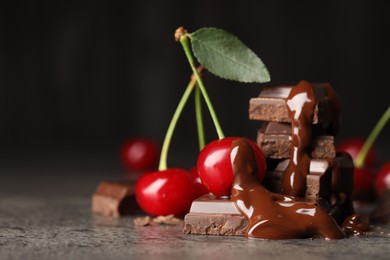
x=199, y=118
x=184, y=42
x=172, y=125
x=359, y=161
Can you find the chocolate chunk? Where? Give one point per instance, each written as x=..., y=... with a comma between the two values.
x=215, y=224
x=210, y=215
x=277, y=146
x=115, y=199
x=270, y=105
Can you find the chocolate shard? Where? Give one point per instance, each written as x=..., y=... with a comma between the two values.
x=270, y=105
x=115, y=199
x=277, y=146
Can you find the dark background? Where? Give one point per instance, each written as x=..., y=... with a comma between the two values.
x=85, y=75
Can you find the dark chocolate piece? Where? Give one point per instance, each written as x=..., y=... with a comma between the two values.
x=271, y=105
x=115, y=199
x=277, y=146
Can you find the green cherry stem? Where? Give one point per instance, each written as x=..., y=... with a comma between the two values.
x=359, y=161
x=199, y=118
x=168, y=137
x=184, y=42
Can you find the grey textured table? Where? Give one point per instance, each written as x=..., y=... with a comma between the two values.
x=45, y=214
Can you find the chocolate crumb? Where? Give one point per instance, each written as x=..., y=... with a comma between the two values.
x=143, y=221
x=168, y=220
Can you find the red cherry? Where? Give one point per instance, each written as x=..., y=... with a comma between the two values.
x=363, y=184
x=199, y=188
x=353, y=147
x=382, y=180
x=165, y=192
x=140, y=154
x=215, y=169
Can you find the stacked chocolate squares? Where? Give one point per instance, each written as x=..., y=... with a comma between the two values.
x=330, y=178
x=328, y=182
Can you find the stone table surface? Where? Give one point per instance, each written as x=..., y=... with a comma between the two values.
x=45, y=214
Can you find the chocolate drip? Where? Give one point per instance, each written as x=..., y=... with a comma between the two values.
x=355, y=225
x=271, y=215
x=301, y=103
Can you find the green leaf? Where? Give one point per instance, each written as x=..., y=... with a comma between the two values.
x=224, y=55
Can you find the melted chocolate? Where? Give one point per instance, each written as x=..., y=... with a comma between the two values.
x=301, y=103
x=271, y=215
x=355, y=225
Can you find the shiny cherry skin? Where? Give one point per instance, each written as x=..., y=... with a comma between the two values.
x=363, y=184
x=140, y=155
x=166, y=192
x=382, y=180
x=215, y=169
x=353, y=147
x=199, y=188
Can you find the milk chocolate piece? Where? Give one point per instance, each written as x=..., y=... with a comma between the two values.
x=210, y=215
x=277, y=146
x=270, y=105
x=115, y=199
x=215, y=224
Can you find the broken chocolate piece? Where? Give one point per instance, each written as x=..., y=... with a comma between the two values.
x=215, y=224
x=115, y=199
x=210, y=215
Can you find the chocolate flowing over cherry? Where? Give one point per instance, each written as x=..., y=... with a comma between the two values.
x=271, y=215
